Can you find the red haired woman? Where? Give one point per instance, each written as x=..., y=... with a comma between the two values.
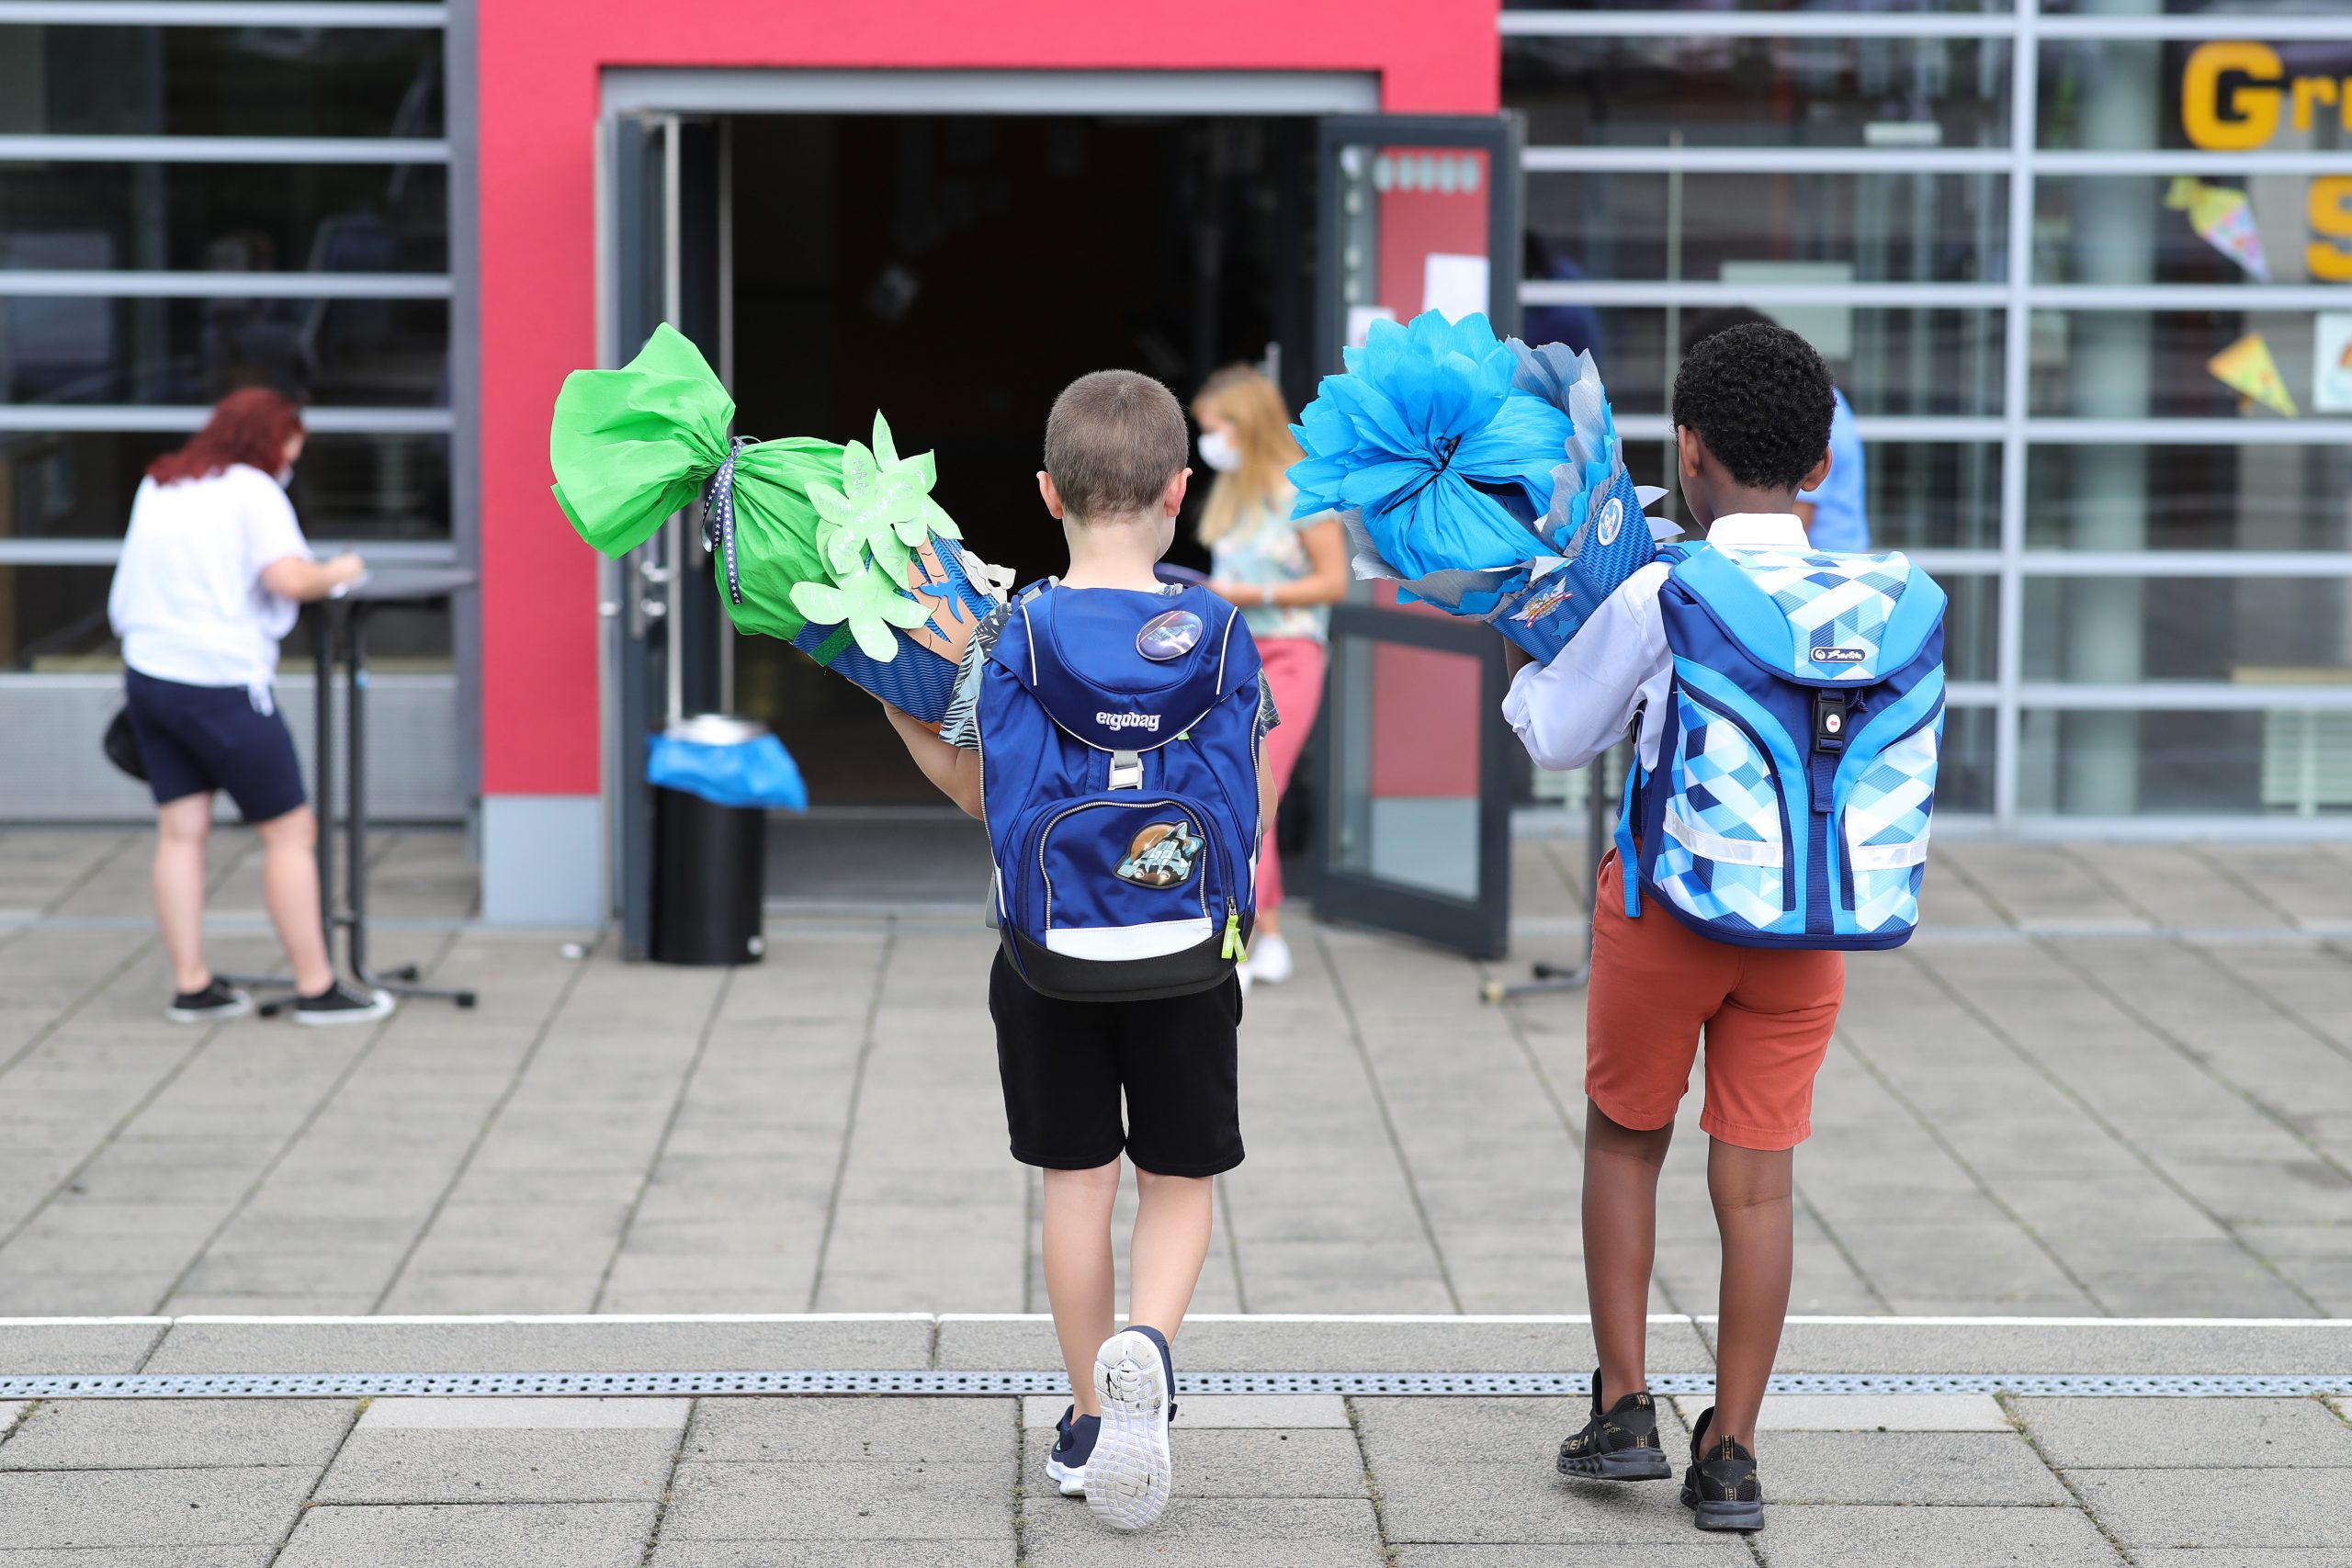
x=213, y=568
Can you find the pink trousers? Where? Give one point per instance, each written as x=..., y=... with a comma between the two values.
x=1294, y=671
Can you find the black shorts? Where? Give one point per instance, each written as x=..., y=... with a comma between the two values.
x=195, y=740
x=1065, y=1064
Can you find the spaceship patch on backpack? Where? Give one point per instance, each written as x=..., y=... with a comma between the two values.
x=1161, y=855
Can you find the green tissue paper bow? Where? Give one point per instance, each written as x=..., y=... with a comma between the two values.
x=823, y=535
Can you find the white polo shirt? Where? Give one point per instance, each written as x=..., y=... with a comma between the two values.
x=187, y=599
x=1571, y=710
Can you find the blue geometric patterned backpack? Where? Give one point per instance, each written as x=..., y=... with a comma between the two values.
x=1796, y=772
x=1119, y=779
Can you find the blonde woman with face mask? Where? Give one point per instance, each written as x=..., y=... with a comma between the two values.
x=1284, y=574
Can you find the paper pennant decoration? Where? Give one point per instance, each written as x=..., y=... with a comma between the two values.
x=2225, y=220
x=2247, y=369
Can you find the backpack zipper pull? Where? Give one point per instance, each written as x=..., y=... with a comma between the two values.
x=1232, y=931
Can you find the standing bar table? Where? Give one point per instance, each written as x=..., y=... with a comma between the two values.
x=341, y=624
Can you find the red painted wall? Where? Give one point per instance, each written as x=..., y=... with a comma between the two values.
x=539, y=61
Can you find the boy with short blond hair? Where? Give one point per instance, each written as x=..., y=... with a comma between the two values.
x=1106, y=727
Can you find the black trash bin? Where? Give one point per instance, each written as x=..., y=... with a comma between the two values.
x=710, y=860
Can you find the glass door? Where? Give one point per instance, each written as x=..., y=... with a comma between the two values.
x=662, y=624
x=1417, y=213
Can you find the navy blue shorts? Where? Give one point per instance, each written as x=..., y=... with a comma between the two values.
x=195, y=740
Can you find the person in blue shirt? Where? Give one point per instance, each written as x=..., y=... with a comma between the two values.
x=1836, y=514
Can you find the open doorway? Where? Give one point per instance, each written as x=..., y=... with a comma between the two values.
x=955, y=271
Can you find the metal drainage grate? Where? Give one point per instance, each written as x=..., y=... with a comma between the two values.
x=354, y=1385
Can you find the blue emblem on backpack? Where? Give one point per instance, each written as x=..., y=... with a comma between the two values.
x=1118, y=737
x=1796, y=772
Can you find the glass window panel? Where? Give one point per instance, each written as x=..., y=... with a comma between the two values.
x=79, y=486
x=2240, y=630
x=350, y=352
x=1920, y=495
x=2190, y=498
x=65, y=217
x=1964, y=763
x=1886, y=361
x=1971, y=627
x=1752, y=92
x=53, y=622
x=2138, y=363
x=85, y=81
x=2133, y=94
x=2235, y=228
x=1877, y=227
x=1405, y=806
x=53, y=619
x=2284, y=762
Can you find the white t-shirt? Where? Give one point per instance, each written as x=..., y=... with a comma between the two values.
x=187, y=600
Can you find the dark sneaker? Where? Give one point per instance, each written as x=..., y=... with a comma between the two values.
x=210, y=1005
x=1074, y=1438
x=1128, y=1474
x=1720, y=1489
x=1619, y=1444
x=342, y=1003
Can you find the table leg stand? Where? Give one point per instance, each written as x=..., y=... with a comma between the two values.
x=401, y=980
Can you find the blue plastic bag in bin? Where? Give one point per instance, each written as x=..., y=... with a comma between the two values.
x=727, y=762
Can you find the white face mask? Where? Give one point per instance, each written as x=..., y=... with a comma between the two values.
x=286, y=476
x=1220, y=451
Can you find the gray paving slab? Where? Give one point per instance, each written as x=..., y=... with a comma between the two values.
x=1866, y=1412
x=1217, y=1412
x=1237, y=1532
x=1981, y=1469
x=501, y=1465
x=2220, y=1507
x=2186, y=1434
x=1232, y=1463
x=1703, y=1549
x=121, y=1345
x=834, y=1431
x=2030, y=1345
x=830, y=1554
x=166, y=1434
x=1270, y=1344
x=851, y=1501
x=1798, y=1537
x=2240, y=1557
x=615, y=1345
x=254, y=1556
x=606, y=1535
x=109, y=1508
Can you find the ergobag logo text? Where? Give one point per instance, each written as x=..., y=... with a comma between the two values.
x=1149, y=721
x=1118, y=773
x=1795, y=780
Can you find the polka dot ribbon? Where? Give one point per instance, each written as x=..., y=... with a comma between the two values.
x=718, y=512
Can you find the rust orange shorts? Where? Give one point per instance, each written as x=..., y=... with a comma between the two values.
x=1767, y=1013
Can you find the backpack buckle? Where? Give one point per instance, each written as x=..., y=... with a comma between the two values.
x=1831, y=710
x=1126, y=770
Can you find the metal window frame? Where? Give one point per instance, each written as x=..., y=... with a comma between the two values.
x=367, y=14
x=2017, y=296
x=75, y=419
x=98, y=284
x=224, y=149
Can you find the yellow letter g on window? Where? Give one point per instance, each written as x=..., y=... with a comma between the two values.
x=2244, y=117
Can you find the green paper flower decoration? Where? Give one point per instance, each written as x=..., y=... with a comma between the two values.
x=883, y=508
x=870, y=601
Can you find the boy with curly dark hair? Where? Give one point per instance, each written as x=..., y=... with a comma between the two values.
x=1751, y=410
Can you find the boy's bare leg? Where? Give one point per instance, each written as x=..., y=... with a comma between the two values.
x=1079, y=1276
x=1173, y=1217
x=1753, y=1192
x=1621, y=1166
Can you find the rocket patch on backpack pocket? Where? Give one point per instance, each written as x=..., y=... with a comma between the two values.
x=1161, y=855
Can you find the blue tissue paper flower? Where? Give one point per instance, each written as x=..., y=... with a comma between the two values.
x=1425, y=435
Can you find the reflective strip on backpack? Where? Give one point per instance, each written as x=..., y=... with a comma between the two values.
x=1714, y=846
x=1887, y=857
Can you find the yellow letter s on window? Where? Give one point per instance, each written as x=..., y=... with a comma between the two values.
x=2250, y=115
x=2329, y=206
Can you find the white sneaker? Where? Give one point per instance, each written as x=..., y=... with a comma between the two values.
x=1128, y=1474
x=1270, y=960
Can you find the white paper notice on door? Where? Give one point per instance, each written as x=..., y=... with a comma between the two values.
x=1360, y=319
x=1456, y=284
x=2331, y=362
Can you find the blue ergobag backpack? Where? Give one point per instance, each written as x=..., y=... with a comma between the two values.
x=1119, y=777
x=1796, y=770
